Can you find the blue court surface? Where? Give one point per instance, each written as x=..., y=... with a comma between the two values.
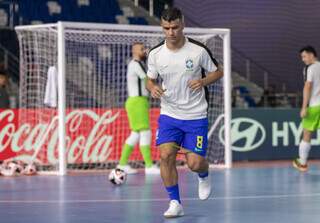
x=243, y=194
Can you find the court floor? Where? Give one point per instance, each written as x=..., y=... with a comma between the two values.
x=244, y=194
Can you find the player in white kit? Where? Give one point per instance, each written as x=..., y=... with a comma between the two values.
x=310, y=111
x=137, y=108
x=185, y=67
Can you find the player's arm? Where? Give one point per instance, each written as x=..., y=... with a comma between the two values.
x=207, y=80
x=155, y=90
x=212, y=77
x=214, y=72
x=306, y=98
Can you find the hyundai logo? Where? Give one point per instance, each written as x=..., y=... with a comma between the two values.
x=246, y=134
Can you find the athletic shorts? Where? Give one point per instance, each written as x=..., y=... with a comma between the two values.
x=189, y=134
x=138, y=113
x=312, y=121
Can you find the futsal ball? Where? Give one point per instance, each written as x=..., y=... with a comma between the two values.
x=11, y=169
x=117, y=176
x=30, y=170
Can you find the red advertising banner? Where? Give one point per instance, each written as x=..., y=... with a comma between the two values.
x=92, y=135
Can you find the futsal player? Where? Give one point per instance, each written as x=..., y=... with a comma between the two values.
x=186, y=67
x=137, y=108
x=310, y=111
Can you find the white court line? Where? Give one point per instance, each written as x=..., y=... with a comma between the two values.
x=162, y=199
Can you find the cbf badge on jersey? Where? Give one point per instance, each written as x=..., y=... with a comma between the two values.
x=189, y=64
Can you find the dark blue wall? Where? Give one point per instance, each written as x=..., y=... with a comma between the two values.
x=268, y=31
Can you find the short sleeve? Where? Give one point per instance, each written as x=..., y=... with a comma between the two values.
x=140, y=70
x=207, y=62
x=310, y=74
x=152, y=71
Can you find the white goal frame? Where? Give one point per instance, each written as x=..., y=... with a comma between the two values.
x=61, y=26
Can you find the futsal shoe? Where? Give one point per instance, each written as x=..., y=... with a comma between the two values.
x=204, y=188
x=154, y=169
x=175, y=210
x=127, y=169
x=297, y=164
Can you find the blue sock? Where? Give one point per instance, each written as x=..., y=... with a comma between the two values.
x=203, y=175
x=173, y=192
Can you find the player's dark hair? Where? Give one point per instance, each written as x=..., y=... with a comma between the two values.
x=309, y=49
x=171, y=14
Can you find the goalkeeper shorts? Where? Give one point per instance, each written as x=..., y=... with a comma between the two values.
x=312, y=121
x=138, y=113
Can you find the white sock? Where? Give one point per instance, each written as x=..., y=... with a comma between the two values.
x=304, y=149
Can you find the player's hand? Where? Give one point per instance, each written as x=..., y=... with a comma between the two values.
x=157, y=91
x=303, y=113
x=195, y=84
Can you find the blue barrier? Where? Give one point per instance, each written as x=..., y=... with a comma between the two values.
x=268, y=134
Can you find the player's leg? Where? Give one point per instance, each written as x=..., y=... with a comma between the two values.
x=145, y=148
x=169, y=175
x=133, y=139
x=310, y=123
x=200, y=165
x=169, y=136
x=145, y=142
x=197, y=163
x=304, y=149
x=196, y=142
x=127, y=149
x=143, y=124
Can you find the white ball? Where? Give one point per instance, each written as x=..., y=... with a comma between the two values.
x=30, y=169
x=11, y=169
x=117, y=176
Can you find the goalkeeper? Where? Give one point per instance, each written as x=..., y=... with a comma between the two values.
x=137, y=107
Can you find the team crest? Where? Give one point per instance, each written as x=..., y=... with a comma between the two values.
x=189, y=64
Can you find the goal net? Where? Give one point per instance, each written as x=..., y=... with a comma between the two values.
x=73, y=90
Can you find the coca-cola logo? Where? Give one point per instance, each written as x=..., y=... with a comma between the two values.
x=88, y=137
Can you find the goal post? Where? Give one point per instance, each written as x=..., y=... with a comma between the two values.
x=62, y=99
x=88, y=126
x=227, y=97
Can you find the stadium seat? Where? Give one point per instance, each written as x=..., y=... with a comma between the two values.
x=137, y=20
x=245, y=94
x=101, y=11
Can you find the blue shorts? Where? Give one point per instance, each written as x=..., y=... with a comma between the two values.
x=189, y=134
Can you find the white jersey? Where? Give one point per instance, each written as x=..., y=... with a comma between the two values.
x=312, y=74
x=136, y=75
x=176, y=68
